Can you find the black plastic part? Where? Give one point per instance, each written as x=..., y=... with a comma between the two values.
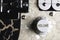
x=33, y=25
x=9, y=5
x=14, y=7
x=8, y=16
x=9, y=21
x=25, y=6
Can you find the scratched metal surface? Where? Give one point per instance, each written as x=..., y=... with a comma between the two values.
x=26, y=34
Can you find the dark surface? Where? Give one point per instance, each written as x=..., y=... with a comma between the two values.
x=24, y=8
x=13, y=6
x=9, y=31
x=9, y=28
x=9, y=22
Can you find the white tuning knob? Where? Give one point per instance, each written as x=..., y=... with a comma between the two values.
x=56, y=4
x=44, y=26
x=44, y=4
x=41, y=25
